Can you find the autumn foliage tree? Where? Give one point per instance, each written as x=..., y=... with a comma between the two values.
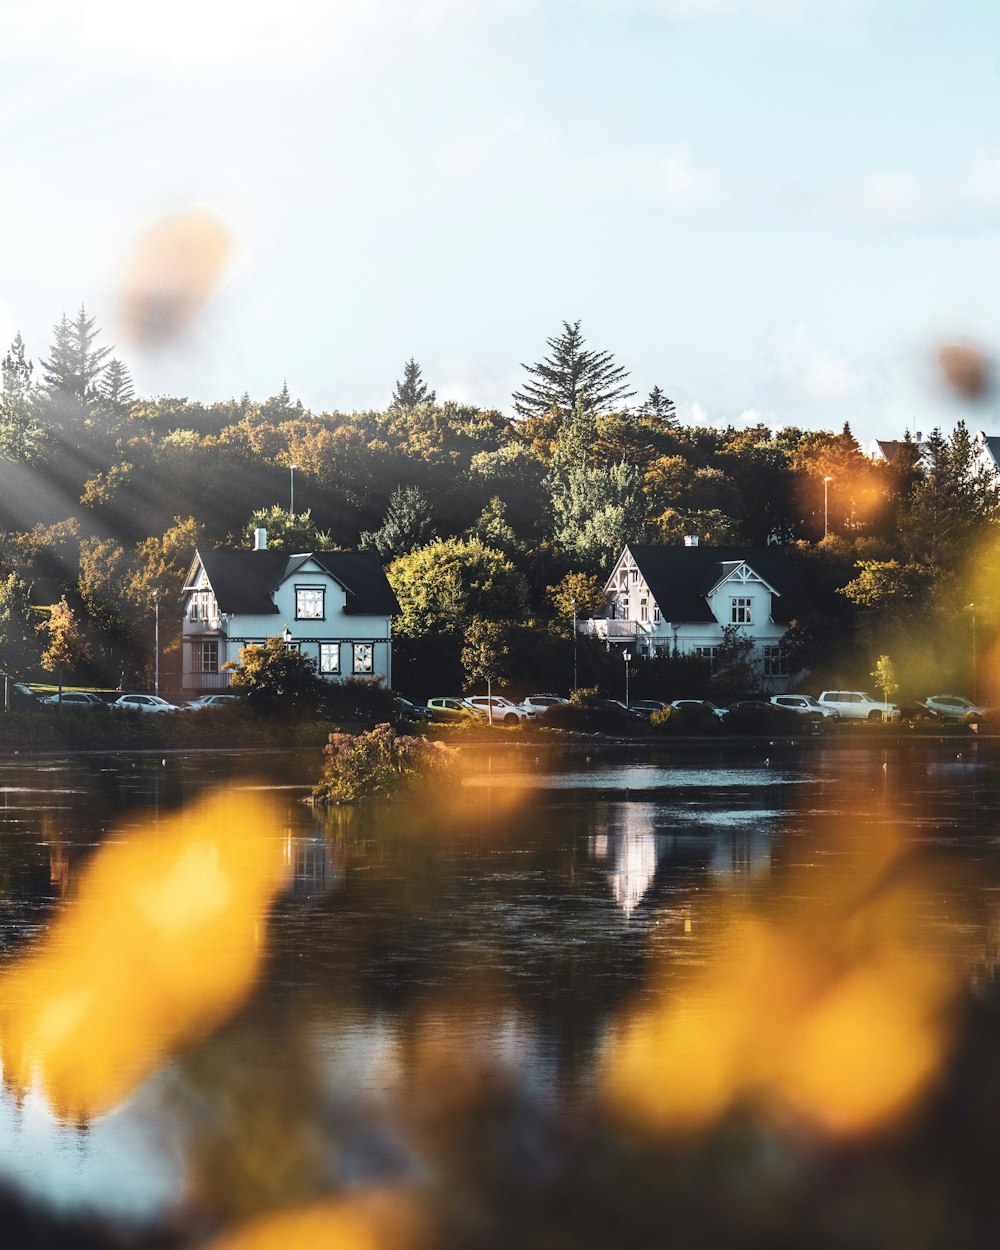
x=66, y=646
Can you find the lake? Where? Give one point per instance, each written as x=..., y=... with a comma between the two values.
x=588, y=993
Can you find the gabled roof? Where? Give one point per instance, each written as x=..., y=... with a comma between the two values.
x=680, y=578
x=244, y=581
x=992, y=444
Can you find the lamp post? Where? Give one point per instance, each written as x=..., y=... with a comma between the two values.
x=156, y=644
x=971, y=607
x=286, y=635
x=826, y=505
x=574, y=644
x=626, y=656
x=291, y=488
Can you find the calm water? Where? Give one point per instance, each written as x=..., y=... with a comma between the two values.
x=497, y=942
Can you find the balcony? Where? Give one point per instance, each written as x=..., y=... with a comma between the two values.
x=608, y=630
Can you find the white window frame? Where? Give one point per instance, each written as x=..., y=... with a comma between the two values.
x=707, y=653
x=741, y=610
x=206, y=657
x=364, y=657
x=774, y=662
x=310, y=596
x=329, y=651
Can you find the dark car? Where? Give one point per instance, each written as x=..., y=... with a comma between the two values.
x=21, y=698
x=406, y=710
x=759, y=716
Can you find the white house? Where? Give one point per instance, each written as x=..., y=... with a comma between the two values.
x=335, y=606
x=664, y=599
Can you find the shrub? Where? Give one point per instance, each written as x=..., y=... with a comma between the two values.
x=379, y=764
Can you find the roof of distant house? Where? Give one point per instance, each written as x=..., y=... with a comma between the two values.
x=243, y=581
x=680, y=578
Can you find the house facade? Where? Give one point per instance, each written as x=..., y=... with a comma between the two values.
x=334, y=606
x=661, y=600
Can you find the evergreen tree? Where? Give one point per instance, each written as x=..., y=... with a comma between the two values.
x=660, y=406
x=71, y=376
x=21, y=436
x=411, y=388
x=571, y=375
x=116, y=389
x=408, y=523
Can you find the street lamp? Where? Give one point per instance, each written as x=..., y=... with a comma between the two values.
x=626, y=656
x=286, y=635
x=826, y=505
x=574, y=644
x=156, y=658
x=291, y=489
x=971, y=607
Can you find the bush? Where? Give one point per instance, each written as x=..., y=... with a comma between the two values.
x=690, y=719
x=379, y=764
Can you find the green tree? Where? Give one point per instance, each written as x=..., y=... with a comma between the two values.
x=411, y=389
x=19, y=642
x=115, y=389
x=735, y=667
x=442, y=586
x=408, y=523
x=485, y=655
x=276, y=675
x=957, y=497
x=72, y=372
x=493, y=529
x=572, y=375
x=577, y=594
x=884, y=677
x=21, y=436
x=66, y=646
x=288, y=532
x=659, y=405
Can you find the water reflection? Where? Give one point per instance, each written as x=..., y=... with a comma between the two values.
x=531, y=1007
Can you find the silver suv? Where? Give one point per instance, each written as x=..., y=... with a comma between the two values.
x=804, y=704
x=858, y=705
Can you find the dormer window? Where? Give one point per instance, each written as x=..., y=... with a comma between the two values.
x=202, y=606
x=309, y=603
x=741, y=612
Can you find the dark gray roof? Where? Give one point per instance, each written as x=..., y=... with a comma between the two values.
x=680, y=577
x=993, y=447
x=243, y=581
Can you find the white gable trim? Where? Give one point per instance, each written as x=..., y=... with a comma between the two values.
x=743, y=575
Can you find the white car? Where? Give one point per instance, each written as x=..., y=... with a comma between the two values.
x=858, y=705
x=954, y=707
x=73, y=698
x=210, y=700
x=503, y=710
x=803, y=704
x=144, y=703
x=537, y=703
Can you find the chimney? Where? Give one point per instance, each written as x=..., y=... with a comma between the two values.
x=690, y=540
x=260, y=540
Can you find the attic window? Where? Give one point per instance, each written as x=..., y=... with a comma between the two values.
x=309, y=603
x=742, y=611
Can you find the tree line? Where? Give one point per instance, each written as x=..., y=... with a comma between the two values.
x=478, y=515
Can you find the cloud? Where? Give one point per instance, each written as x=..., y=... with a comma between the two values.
x=802, y=372
x=897, y=200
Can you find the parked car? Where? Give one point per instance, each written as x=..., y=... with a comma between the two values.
x=449, y=708
x=21, y=698
x=954, y=707
x=705, y=704
x=763, y=716
x=504, y=711
x=410, y=711
x=210, y=700
x=537, y=703
x=73, y=698
x=144, y=703
x=803, y=704
x=646, y=707
x=858, y=705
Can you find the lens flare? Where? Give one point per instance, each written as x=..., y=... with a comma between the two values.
x=376, y=1220
x=824, y=1014
x=172, y=272
x=162, y=943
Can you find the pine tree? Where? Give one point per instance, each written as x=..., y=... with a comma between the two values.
x=20, y=434
x=660, y=406
x=571, y=375
x=70, y=390
x=116, y=389
x=408, y=523
x=411, y=388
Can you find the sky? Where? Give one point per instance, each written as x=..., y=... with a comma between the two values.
x=775, y=210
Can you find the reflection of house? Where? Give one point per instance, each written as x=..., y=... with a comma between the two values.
x=659, y=600
x=335, y=606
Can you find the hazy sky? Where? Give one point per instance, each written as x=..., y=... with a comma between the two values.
x=766, y=207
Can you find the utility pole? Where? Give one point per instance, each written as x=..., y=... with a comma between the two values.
x=156, y=657
x=574, y=644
